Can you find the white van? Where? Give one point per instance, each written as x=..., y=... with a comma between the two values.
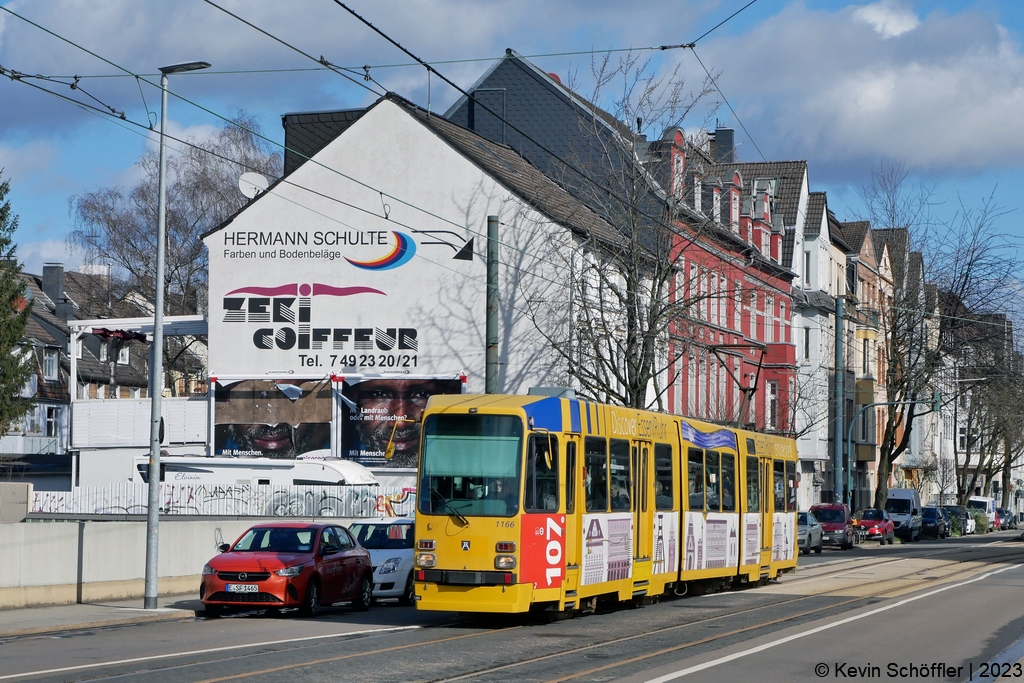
x=984, y=504
x=226, y=471
x=904, y=507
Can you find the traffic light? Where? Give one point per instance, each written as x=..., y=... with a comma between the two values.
x=937, y=401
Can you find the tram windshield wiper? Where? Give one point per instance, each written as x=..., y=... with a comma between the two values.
x=451, y=509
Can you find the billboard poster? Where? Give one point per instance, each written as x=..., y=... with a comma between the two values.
x=260, y=418
x=374, y=408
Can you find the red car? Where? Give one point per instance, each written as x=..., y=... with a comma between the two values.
x=836, y=524
x=876, y=525
x=289, y=564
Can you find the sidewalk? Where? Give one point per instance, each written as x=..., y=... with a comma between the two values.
x=33, y=620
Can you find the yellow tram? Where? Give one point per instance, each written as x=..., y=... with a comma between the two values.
x=545, y=502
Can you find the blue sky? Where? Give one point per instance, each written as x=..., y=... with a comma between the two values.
x=938, y=86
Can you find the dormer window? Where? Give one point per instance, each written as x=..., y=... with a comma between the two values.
x=50, y=365
x=696, y=193
x=716, y=205
x=103, y=352
x=734, y=209
x=677, y=177
x=122, y=355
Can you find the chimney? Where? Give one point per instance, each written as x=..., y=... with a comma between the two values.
x=723, y=149
x=53, y=287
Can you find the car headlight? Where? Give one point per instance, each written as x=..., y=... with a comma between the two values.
x=390, y=565
x=290, y=571
x=208, y=570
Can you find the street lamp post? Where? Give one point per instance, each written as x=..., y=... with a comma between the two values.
x=156, y=357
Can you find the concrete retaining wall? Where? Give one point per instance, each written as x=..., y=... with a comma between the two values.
x=53, y=563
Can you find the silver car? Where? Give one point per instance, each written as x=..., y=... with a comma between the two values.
x=808, y=533
x=390, y=542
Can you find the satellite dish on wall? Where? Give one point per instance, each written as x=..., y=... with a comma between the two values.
x=252, y=184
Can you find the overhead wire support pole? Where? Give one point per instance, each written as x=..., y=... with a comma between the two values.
x=837, y=462
x=491, y=367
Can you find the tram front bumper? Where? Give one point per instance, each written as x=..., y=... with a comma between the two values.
x=493, y=599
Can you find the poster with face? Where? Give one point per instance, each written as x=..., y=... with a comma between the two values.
x=260, y=418
x=374, y=409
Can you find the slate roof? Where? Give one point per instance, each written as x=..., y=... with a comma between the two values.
x=788, y=242
x=835, y=233
x=307, y=133
x=789, y=173
x=815, y=210
x=518, y=175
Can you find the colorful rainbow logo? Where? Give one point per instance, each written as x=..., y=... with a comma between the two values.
x=405, y=249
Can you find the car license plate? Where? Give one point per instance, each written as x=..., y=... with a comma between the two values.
x=824, y=537
x=242, y=588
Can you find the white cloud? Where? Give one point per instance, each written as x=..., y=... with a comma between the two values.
x=34, y=254
x=888, y=18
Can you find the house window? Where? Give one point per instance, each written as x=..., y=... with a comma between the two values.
x=807, y=268
x=783, y=323
x=738, y=306
x=769, y=309
x=52, y=420
x=696, y=193
x=734, y=209
x=677, y=177
x=32, y=425
x=807, y=343
x=962, y=438
x=864, y=360
x=103, y=352
x=771, y=405
x=79, y=345
x=753, y=315
x=716, y=206
x=122, y=355
x=715, y=304
x=50, y=365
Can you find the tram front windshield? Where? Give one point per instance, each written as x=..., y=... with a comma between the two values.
x=470, y=465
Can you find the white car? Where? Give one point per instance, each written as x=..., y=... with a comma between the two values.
x=390, y=541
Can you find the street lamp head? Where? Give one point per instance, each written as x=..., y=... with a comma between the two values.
x=180, y=68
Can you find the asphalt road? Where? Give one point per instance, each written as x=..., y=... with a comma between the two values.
x=880, y=611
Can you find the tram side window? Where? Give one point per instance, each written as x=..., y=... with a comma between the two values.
x=713, y=479
x=570, y=477
x=542, y=474
x=779, y=485
x=753, y=485
x=595, y=476
x=620, y=474
x=696, y=479
x=663, y=499
x=791, y=487
x=728, y=482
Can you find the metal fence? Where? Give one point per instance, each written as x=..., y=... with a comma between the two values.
x=234, y=500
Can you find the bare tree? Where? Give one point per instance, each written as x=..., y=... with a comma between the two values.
x=973, y=269
x=627, y=311
x=118, y=226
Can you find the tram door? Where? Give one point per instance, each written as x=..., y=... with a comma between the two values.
x=573, y=510
x=642, y=524
x=767, y=507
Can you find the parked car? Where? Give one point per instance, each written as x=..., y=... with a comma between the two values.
x=876, y=525
x=1005, y=519
x=809, y=533
x=986, y=505
x=390, y=542
x=836, y=524
x=949, y=520
x=288, y=564
x=904, y=507
x=933, y=523
x=963, y=520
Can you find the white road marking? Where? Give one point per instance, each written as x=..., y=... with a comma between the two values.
x=150, y=658
x=760, y=648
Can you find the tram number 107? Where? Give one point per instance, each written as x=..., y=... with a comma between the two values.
x=543, y=554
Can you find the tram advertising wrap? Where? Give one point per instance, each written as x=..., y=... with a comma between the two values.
x=557, y=504
x=374, y=409
x=272, y=419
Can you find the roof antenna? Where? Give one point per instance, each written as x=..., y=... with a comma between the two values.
x=639, y=123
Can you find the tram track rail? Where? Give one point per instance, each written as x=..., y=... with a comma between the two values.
x=1004, y=558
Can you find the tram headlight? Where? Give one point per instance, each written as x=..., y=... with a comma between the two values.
x=505, y=562
x=426, y=559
